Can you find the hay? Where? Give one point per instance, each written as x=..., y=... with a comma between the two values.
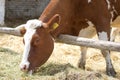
x=62, y=65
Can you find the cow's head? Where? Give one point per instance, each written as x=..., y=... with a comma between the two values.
x=38, y=43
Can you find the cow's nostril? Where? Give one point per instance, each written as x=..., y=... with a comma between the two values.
x=24, y=68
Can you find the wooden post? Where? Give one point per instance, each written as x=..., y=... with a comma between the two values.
x=105, y=45
x=2, y=11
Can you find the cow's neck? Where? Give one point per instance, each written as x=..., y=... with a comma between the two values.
x=50, y=10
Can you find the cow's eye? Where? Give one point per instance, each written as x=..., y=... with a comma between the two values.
x=36, y=41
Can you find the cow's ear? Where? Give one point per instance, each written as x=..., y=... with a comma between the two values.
x=21, y=29
x=53, y=23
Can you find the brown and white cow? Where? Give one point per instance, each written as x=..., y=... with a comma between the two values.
x=73, y=16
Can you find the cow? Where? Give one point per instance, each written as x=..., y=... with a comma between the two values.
x=72, y=17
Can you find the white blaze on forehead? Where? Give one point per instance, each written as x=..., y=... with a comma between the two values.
x=103, y=36
x=30, y=27
x=33, y=24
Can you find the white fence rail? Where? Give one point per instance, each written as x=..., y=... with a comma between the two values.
x=106, y=45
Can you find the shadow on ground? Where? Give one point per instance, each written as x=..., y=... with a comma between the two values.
x=67, y=72
x=52, y=69
x=6, y=50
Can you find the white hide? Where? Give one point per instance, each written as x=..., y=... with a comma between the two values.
x=89, y=1
x=30, y=27
x=103, y=36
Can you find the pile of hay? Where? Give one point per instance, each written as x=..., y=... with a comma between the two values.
x=62, y=65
